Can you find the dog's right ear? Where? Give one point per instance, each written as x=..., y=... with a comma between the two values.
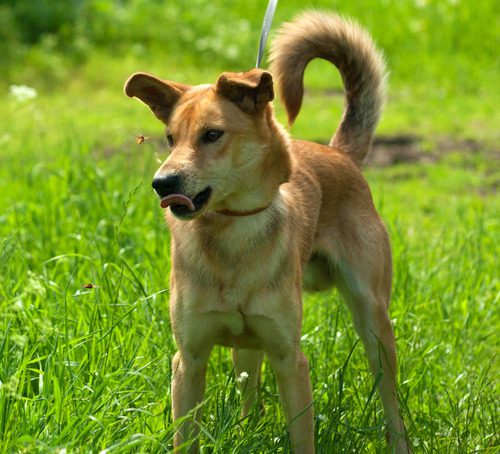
x=159, y=95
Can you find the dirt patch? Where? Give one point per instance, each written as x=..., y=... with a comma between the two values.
x=387, y=151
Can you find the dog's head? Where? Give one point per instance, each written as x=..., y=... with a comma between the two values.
x=227, y=151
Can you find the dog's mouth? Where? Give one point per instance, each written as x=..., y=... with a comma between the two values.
x=184, y=207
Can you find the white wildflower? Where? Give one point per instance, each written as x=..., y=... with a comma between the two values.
x=243, y=377
x=22, y=93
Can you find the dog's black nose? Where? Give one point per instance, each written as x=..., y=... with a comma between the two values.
x=168, y=184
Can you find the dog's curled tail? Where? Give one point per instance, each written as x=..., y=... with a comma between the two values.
x=361, y=65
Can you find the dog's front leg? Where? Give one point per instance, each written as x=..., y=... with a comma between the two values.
x=188, y=389
x=292, y=374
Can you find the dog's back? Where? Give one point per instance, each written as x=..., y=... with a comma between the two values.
x=345, y=196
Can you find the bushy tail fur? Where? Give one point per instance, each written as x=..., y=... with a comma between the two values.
x=352, y=51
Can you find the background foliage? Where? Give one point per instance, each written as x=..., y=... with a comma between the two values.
x=413, y=33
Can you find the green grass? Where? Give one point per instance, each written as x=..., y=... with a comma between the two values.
x=89, y=369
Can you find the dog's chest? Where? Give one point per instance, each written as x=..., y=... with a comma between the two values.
x=229, y=297
x=232, y=269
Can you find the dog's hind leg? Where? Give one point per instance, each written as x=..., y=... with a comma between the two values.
x=365, y=286
x=373, y=326
x=247, y=364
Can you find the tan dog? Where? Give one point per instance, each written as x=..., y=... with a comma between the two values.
x=254, y=214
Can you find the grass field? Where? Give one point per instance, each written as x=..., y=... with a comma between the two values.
x=88, y=369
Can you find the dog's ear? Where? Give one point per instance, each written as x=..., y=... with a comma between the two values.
x=159, y=95
x=251, y=90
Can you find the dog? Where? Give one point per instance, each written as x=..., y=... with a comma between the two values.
x=256, y=216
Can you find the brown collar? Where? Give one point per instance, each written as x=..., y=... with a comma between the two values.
x=242, y=213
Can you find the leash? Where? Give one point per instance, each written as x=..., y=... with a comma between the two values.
x=266, y=25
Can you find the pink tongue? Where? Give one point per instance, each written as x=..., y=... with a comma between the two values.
x=177, y=199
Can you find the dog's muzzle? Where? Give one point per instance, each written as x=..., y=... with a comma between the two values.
x=169, y=190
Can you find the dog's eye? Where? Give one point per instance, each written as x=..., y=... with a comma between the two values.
x=211, y=135
x=170, y=140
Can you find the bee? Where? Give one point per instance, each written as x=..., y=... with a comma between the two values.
x=141, y=139
x=89, y=285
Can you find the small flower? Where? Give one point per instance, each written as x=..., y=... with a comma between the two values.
x=243, y=377
x=22, y=93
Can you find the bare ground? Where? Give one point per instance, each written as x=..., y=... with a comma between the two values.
x=392, y=150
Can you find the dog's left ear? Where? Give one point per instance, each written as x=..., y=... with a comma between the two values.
x=160, y=95
x=251, y=90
